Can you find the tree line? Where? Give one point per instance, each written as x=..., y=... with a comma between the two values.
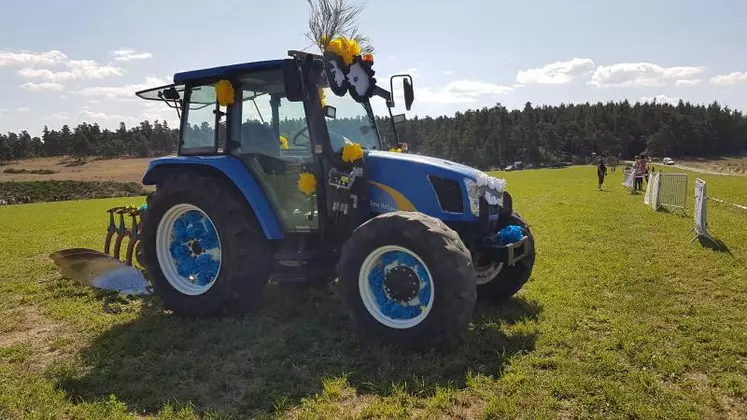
x=484, y=138
x=495, y=136
x=84, y=140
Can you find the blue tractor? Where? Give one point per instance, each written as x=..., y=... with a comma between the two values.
x=261, y=190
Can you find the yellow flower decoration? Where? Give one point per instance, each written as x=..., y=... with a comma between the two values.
x=307, y=183
x=345, y=48
x=283, y=143
x=352, y=152
x=397, y=150
x=224, y=92
x=323, y=97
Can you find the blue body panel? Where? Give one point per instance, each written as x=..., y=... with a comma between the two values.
x=399, y=181
x=236, y=171
x=223, y=71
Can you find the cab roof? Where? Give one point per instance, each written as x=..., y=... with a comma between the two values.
x=224, y=71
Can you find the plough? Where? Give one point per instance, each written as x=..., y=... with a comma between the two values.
x=122, y=231
x=105, y=270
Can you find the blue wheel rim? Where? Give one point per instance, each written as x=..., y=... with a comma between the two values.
x=189, y=249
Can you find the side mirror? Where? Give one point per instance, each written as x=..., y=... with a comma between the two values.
x=406, y=86
x=399, y=118
x=330, y=111
x=292, y=80
x=171, y=94
x=409, y=94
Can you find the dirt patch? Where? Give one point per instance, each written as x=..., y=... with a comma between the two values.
x=122, y=170
x=30, y=329
x=347, y=403
x=721, y=166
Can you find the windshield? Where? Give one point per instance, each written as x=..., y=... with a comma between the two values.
x=265, y=104
x=354, y=122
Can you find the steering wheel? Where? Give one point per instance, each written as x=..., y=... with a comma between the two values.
x=338, y=140
x=298, y=133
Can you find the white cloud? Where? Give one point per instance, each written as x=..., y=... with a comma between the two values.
x=640, y=74
x=23, y=109
x=25, y=58
x=77, y=69
x=47, y=75
x=460, y=91
x=412, y=71
x=150, y=112
x=158, y=111
x=56, y=116
x=88, y=69
x=688, y=82
x=730, y=79
x=660, y=99
x=448, y=72
x=90, y=116
x=558, y=73
x=43, y=86
x=125, y=91
x=35, y=66
x=126, y=54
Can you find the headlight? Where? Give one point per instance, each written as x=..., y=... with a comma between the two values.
x=473, y=195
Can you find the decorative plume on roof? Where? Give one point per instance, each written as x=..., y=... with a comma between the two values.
x=348, y=55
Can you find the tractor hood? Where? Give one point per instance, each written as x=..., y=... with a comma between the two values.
x=437, y=187
x=423, y=162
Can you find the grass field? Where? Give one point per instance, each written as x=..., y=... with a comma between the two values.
x=623, y=318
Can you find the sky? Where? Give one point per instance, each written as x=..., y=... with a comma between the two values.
x=83, y=60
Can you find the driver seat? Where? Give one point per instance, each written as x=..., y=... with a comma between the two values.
x=257, y=140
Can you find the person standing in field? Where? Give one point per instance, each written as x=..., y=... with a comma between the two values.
x=639, y=168
x=601, y=171
x=642, y=171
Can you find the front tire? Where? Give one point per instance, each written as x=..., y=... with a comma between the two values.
x=407, y=278
x=497, y=281
x=205, y=250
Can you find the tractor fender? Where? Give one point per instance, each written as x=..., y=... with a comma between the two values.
x=229, y=168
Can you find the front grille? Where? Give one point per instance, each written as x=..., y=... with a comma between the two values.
x=449, y=194
x=493, y=209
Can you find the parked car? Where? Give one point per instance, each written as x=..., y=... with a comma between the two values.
x=517, y=166
x=667, y=161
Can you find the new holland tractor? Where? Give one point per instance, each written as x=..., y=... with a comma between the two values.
x=276, y=180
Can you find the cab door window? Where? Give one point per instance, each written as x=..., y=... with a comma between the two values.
x=198, y=133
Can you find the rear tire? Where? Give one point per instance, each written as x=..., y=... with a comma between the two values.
x=206, y=252
x=500, y=283
x=412, y=258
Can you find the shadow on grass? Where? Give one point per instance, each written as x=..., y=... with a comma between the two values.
x=713, y=244
x=673, y=210
x=281, y=355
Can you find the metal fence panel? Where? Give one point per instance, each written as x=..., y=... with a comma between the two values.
x=672, y=192
x=629, y=178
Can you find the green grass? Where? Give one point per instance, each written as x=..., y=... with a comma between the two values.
x=623, y=318
x=29, y=171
